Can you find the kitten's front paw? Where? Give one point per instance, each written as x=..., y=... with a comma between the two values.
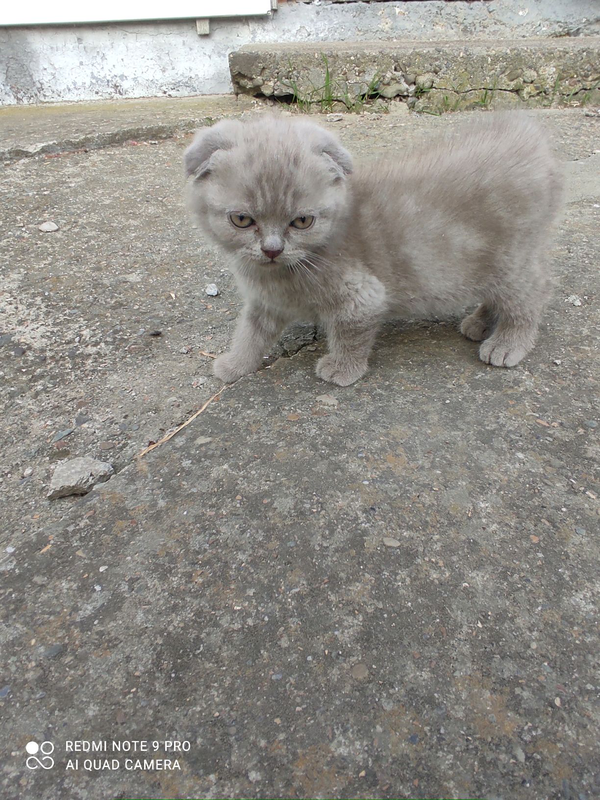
x=329, y=369
x=502, y=353
x=230, y=367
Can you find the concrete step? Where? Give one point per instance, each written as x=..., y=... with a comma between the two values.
x=429, y=76
x=49, y=129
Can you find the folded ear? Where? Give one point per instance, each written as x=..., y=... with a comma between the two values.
x=324, y=143
x=222, y=136
x=338, y=154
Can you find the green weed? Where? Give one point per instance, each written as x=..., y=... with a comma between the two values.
x=331, y=93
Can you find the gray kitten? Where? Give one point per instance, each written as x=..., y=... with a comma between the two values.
x=464, y=221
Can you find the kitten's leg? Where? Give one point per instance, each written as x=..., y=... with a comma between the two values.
x=480, y=324
x=518, y=315
x=256, y=330
x=351, y=331
x=349, y=350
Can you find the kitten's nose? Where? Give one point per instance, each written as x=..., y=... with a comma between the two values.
x=272, y=254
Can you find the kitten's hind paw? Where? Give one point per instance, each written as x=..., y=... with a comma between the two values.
x=329, y=369
x=478, y=325
x=474, y=328
x=230, y=367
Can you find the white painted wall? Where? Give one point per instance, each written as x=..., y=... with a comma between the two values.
x=90, y=62
x=61, y=12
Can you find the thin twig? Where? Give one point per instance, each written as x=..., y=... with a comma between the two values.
x=187, y=422
x=208, y=355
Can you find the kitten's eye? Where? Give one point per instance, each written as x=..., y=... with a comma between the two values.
x=302, y=222
x=241, y=220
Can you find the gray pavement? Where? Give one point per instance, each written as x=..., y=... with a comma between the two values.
x=27, y=131
x=383, y=591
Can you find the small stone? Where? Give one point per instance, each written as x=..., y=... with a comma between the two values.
x=389, y=542
x=10, y=549
x=590, y=423
x=203, y=440
x=520, y=754
x=557, y=702
x=53, y=651
x=328, y=400
x=62, y=435
x=81, y=419
x=4, y=691
x=298, y=336
x=574, y=300
x=78, y=476
x=27, y=472
x=529, y=75
x=395, y=90
x=359, y=672
x=277, y=676
x=425, y=81
x=398, y=107
x=211, y=290
x=103, y=568
x=48, y=227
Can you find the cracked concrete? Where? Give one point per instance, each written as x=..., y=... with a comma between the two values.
x=383, y=591
x=430, y=76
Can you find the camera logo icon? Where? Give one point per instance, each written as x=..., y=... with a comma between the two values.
x=45, y=761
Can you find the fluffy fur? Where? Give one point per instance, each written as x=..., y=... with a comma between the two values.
x=460, y=223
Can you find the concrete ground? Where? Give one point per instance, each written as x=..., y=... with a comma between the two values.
x=383, y=591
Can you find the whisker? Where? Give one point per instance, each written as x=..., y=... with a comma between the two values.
x=312, y=276
x=310, y=263
x=319, y=259
x=301, y=270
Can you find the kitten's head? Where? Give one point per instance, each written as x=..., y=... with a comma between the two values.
x=270, y=191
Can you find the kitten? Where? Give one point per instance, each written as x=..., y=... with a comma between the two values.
x=463, y=221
